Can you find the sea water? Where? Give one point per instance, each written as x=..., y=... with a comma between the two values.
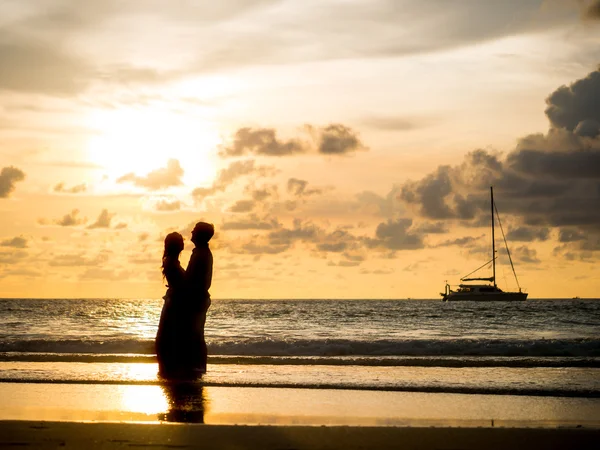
x=536, y=347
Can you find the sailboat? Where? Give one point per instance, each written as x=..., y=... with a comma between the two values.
x=485, y=292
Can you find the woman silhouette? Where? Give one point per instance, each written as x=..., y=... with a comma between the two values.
x=169, y=341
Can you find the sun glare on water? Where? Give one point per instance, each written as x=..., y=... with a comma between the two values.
x=142, y=141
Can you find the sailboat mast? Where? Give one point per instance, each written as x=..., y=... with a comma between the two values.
x=493, y=238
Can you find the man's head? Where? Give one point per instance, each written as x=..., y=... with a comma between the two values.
x=202, y=233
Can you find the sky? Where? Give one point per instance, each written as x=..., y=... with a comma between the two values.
x=342, y=149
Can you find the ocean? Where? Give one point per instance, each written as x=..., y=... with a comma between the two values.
x=536, y=347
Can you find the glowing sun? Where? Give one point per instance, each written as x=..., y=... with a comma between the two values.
x=141, y=141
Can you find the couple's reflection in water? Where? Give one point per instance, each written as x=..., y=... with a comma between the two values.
x=186, y=400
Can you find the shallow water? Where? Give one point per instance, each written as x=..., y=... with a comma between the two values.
x=544, y=347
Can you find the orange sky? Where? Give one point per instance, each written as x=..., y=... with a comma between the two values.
x=343, y=149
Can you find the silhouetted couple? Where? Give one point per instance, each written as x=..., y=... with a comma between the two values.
x=180, y=344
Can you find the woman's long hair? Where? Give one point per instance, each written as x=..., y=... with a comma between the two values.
x=173, y=247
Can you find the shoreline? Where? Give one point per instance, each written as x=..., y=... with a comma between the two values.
x=125, y=435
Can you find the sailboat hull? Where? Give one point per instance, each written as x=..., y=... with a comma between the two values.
x=485, y=297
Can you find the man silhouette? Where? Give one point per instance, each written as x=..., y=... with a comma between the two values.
x=199, y=278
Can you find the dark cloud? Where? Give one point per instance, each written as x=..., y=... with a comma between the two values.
x=71, y=219
x=299, y=232
x=396, y=235
x=548, y=180
x=16, y=242
x=334, y=139
x=242, y=206
x=570, y=235
x=335, y=247
x=338, y=139
x=297, y=188
x=528, y=234
x=157, y=179
x=525, y=255
x=339, y=241
x=262, y=194
x=465, y=242
x=9, y=176
x=591, y=10
x=103, y=220
x=261, y=141
x=570, y=106
x=77, y=189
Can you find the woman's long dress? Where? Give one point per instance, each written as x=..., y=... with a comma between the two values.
x=170, y=341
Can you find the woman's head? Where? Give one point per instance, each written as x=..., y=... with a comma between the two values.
x=173, y=245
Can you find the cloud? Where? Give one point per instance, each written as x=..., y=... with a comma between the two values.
x=9, y=176
x=166, y=205
x=575, y=107
x=591, y=10
x=16, y=242
x=103, y=220
x=56, y=71
x=548, y=180
x=570, y=235
x=254, y=248
x=252, y=222
x=230, y=174
x=77, y=189
x=390, y=123
x=78, y=259
x=299, y=232
x=71, y=219
x=372, y=203
x=528, y=234
x=337, y=139
x=262, y=194
x=339, y=241
x=297, y=188
x=11, y=257
x=396, y=235
x=261, y=141
x=157, y=179
x=242, y=206
x=334, y=139
x=464, y=242
x=335, y=29
x=525, y=255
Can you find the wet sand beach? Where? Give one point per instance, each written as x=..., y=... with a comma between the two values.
x=188, y=416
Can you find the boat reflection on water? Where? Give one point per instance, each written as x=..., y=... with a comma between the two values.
x=186, y=402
